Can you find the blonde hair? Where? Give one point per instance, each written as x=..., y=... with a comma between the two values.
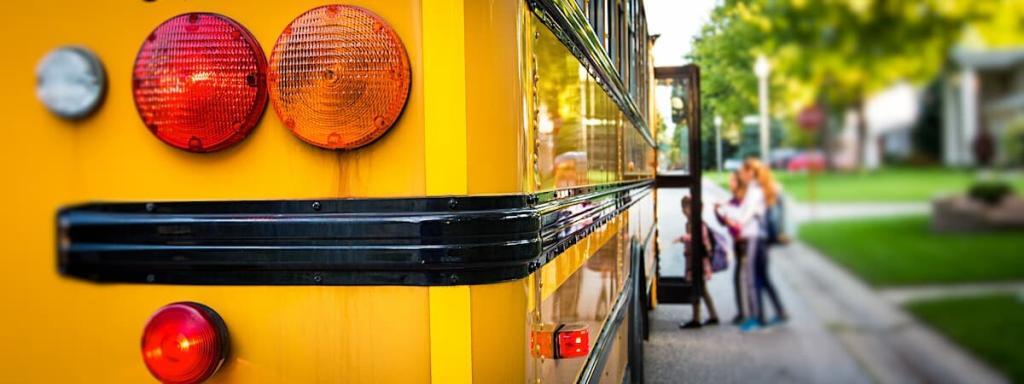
x=764, y=177
x=739, y=189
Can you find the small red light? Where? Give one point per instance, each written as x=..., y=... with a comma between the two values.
x=200, y=82
x=573, y=341
x=560, y=342
x=184, y=343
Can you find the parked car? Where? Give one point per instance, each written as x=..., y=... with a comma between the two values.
x=732, y=164
x=806, y=161
x=780, y=157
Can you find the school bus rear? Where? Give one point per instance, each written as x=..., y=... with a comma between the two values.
x=457, y=246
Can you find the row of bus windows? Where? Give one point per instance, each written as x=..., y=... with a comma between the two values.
x=621, y=26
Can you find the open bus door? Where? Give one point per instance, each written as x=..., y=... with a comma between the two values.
x=677, y=106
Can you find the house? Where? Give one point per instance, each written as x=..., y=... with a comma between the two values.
x=984, y=91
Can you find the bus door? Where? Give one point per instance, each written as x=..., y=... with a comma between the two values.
x=677, y=122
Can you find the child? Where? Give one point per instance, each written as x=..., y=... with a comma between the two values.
x=705, y=296
x=742, y=216
x=769, y=231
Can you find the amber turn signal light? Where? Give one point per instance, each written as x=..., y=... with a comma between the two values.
x=339, y=76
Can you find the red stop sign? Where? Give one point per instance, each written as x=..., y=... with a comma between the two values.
x=811, y=118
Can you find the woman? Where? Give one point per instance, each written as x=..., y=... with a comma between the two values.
x=705, y=296
x=742, y=216
x=762, y=177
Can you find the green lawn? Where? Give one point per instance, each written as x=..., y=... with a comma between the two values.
x=891, y=184
x=903, y=250
x=988, y=326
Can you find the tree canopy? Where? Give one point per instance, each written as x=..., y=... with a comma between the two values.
x=837, y=52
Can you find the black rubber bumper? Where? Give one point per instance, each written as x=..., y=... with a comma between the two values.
x=415, y=241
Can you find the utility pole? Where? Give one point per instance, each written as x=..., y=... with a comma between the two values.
x=762, y=69
x=718, y=143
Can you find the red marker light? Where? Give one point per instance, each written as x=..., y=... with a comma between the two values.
x=184, y=343
x=573, y=341
x=564, y=342
x=200, y=82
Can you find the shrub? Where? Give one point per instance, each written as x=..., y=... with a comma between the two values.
x=990, y=192
x=1013, y=143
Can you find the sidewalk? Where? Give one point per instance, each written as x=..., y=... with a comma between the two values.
x=903, y=295
x=800, y=351
x=803, y=212
x=890, y=344
x=840, y=331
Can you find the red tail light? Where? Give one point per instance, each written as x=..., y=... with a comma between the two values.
x=561, y=342
x=339, y=76
x=200, y=82
x=184, y=343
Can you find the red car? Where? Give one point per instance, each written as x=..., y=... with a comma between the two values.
x=806, y=161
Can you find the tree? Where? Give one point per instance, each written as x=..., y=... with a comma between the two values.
x=725, y=52
x=838, y=52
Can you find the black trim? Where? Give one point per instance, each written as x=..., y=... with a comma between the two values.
x=412, y=241
x=570, y=25
x=598, y=357
x=677, y=180
x=637, y=318
x=676, y=289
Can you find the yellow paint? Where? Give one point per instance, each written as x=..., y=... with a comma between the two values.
x=67, y=330
x=466, y=129
x=451, y=356
x=445, y=94
x=72, y=331
x=654, y=293
x=500, y=332
x=112, y=156
x=557, y=271
x=494, y=104
x=528, y=82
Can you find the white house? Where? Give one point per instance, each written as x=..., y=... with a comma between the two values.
x=985, y=90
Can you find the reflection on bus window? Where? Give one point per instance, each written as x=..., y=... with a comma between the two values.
x=581, y=134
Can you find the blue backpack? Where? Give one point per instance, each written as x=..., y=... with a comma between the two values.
x=719, y=251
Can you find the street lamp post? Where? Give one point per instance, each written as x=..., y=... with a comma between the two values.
x=762, y=69
x=718, y=142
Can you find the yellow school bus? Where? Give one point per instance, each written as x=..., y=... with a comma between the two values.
x=386, y=191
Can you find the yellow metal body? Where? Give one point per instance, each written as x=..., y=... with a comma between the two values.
x=487, y=78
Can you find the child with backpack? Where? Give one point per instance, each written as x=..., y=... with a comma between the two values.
x=708, y=243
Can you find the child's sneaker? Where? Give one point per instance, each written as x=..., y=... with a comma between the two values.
x=692, y=324
x=749, y=325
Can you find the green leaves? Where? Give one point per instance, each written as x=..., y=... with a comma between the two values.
x=839, y=50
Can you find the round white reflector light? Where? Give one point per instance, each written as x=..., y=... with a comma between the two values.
x=70, y=81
